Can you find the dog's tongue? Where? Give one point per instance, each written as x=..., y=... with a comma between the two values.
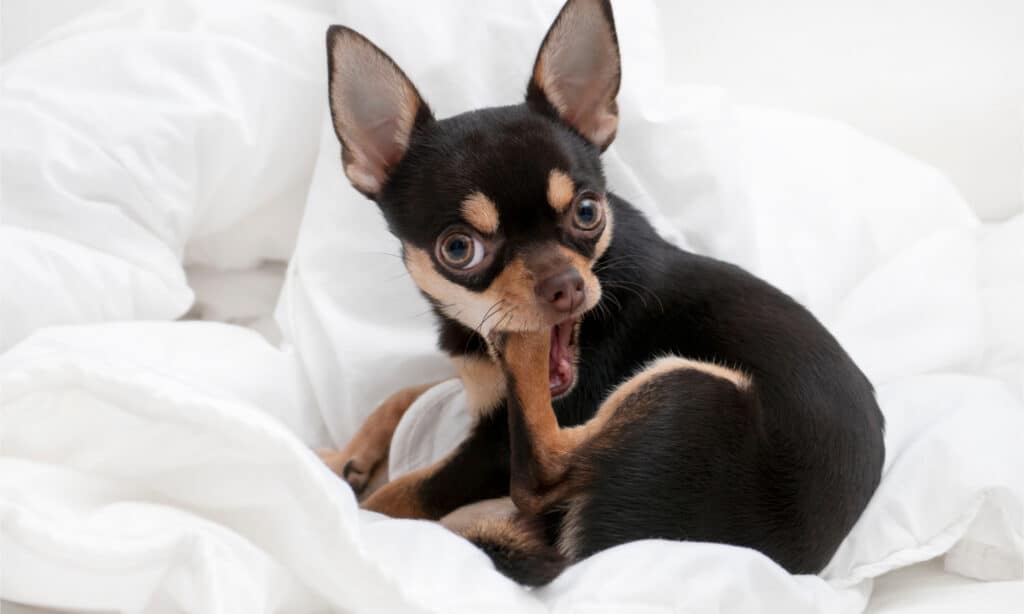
x=560, y=360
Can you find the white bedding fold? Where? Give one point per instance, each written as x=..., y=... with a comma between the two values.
x=133, y=484
x=156, y=466
x=145, y=135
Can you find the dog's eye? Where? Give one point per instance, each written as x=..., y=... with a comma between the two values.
x=460, y=250
x=587, y=211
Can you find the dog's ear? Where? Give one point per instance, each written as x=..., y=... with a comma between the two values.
x=576, y=74
x=374, y=107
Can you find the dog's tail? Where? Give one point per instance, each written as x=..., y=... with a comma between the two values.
x=518, y=549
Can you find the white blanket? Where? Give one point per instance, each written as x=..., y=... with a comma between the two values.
x=165, y=466
x=146, y=135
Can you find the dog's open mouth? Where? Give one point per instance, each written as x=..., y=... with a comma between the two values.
x=562, y=360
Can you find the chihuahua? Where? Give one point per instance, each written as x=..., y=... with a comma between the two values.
x=622, y=388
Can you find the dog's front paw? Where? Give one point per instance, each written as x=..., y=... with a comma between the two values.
x=354, y=466
x=361, y=462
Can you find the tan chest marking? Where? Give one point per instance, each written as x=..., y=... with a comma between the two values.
x=484, y=382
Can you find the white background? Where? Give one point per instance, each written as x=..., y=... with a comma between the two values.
x=942, y=80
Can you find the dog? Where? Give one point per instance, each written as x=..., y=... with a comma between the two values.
x=622, y=388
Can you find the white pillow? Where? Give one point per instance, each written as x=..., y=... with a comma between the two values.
x=145, y=132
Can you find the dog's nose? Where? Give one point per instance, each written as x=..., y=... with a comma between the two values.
x=563, y=291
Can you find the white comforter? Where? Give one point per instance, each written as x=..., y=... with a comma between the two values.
x=165, y=466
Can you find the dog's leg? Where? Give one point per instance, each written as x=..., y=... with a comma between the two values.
x=514, y=541
x=550, y=464
x=365, y=454
x=539, y=448
x=477, y=469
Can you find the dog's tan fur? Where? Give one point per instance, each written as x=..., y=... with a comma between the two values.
x=366, y=452
x=481, y=213
x=561, y=190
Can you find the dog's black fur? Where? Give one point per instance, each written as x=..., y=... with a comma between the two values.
x=785, y=465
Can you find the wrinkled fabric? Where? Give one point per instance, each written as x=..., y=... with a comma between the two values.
x=166, y=466
x=146, y=136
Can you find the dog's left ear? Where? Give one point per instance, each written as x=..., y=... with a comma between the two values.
x=576, y=75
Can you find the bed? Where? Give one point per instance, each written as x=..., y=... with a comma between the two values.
x=192, y=298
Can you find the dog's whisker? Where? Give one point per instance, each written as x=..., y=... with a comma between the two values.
x=383, y=253
x=637, y=289
x=493, y=310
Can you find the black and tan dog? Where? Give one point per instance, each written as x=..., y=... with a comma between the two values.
x=624, y=389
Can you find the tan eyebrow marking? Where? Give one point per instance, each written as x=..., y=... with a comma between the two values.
x=561, y=189
x=480, y=212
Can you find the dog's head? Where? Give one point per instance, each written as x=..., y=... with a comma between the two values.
x=501, y=211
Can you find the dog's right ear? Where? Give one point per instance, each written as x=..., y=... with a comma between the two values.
x=374, y=107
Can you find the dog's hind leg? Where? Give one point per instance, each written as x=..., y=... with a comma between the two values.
x=639, y=467
x=548, y=463
x=516, y=543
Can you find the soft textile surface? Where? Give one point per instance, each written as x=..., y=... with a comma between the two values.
x=880, y=247
x=245, y=297
x=166, y=467
x=146, y=135
x=927, y=589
